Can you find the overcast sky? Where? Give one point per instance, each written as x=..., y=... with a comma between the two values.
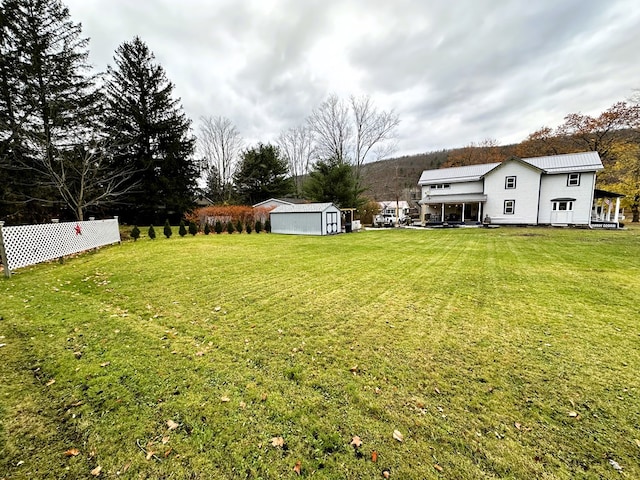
x=456, y=71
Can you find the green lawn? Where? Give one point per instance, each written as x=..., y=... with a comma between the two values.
x=496, y=353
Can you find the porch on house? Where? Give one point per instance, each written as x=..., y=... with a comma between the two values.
x=465, y=209
x=605, y=212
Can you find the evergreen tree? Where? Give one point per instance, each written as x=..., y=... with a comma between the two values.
x=218, y=227
x=182, y=230
x=267, y=225
x=167, y=229
x=207, y=228
x=153, y=132
x=48, y=107
x=135, y=233
x=239, y=226
x=333, y=181
x=152, y=233
x=193, y=228
x=247, y=227
x=230, y=227
x=258, y=226
x=263, y=174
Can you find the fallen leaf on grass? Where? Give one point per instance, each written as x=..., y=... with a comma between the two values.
x=398, y=436
x=615, y=465
x=573, y=414
x=374, y=456
x=225, y=399
x=377, y=390
x=172, y=425
x=50, y=382
x=243, y=405
x=354, y=369
x=437, y=390
x=517, y=425
x=277, y=442
x=77, y=354
x=199, y=354
x=96, y=471
x=438, y=467
x=386, y=473
x=150, y=454
x=72, y=452
x=298, y=467
x=168, y=452
x=105, y=364
x=263, y=397
x=356, y=442
x=165, y=439
x=637, y=442
x=76, y=404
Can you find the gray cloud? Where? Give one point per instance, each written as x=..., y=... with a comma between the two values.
x=455, y=72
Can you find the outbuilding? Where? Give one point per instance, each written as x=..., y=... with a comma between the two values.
x=306, y=219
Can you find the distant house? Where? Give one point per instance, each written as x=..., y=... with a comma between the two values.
x=306, y=219
x=392, y=212
x=552, y=190
x=277, y=202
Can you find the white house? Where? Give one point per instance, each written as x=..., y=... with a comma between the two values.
x=393, y=211
x=552, y=190
x=306, y=219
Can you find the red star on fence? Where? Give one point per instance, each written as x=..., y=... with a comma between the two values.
x=78, y=229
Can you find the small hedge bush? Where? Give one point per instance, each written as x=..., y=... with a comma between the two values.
x=218, y=227
x=167, y=229
x=207, y=229
x=182, y=230
x=193, y=228
x=230, y=227
x=135, y=233
x=152, y=233
x=258, y=226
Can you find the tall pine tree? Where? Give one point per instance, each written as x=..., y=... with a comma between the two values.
x=153, y=135
x=48, y=104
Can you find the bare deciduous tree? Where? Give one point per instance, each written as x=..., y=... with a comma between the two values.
x=332, y=128
x=351, y=131
x=84, y=175
x=297, y=147
x=220, y=144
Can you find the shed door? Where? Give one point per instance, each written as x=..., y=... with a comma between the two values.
x=332, y=222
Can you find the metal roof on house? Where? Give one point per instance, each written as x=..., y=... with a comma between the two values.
x=469, y=173
x=571, y=162
x=303, y=208
x=287, y=201
x=453, y=198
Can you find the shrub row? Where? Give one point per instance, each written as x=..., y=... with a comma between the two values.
x=218, y=228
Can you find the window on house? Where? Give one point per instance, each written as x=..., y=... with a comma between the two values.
x=573, y=180
x=509, y=207
x=510, y=182
x=441, y=185
x=563, y=206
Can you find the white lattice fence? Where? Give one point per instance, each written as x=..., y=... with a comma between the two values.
x=30, y=244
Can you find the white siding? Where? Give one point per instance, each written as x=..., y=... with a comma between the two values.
x=555, y=186
x=454, y=189
x=525, y=194
x=297, y=223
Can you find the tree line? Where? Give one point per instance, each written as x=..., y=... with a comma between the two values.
x=75, y=143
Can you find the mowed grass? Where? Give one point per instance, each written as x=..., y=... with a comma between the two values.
x=496, y=353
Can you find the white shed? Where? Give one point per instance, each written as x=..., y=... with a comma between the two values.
x=306, y=219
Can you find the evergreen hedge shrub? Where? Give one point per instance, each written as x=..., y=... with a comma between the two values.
x=152, y=233
x=135, y=233
x=167, y=229
x=193, y=228
x=230, y=227
x=182, y=230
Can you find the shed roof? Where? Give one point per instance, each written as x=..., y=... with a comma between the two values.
x=304, y=208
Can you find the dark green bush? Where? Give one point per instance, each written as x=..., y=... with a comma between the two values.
x=258, y=226
x=152, y=233
x=167, y=229
x=207, y=229
x=193, y=228
x=239, y=226
x=247, y=227
x=230, y=227
x=182, y=230
x=218, y=227
x=267, y=226
x=135, y=233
